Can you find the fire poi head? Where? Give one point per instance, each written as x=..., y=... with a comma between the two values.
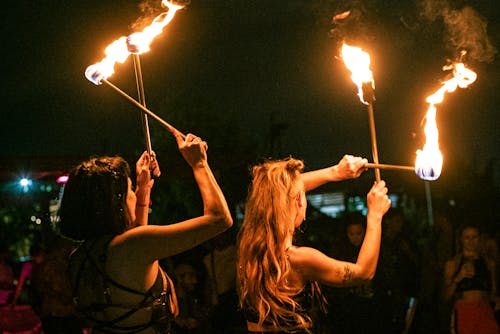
x=358, y=62
x=138, y=43
x=429, y=162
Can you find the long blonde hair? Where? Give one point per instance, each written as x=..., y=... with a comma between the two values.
x=263, y=270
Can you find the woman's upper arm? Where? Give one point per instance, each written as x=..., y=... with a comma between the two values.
x=316, y=178
x=449, y=269
x=314, y=265
x=153, y=242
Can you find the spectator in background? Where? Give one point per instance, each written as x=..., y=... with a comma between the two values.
x=470, y=285
x=24, y=293
x=51, y=287
x=220, y=265
x=396, y=282
x=6, y=276
x=432, y=314
x=351, y=310
x=192, y=316
x=19, y=315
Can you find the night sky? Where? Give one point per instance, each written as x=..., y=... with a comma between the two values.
x=250, y=76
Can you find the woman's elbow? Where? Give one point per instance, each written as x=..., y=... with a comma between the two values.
x=222, y=219
x=366, y=274
x=370, y=276
x=356, y=280
x=227, y=220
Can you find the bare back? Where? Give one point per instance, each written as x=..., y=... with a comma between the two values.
x=115, y=292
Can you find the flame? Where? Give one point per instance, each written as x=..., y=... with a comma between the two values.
x=358, y=62
x=138, y=43
x=429, y=162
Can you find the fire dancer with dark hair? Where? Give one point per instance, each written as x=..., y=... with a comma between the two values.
x=278, y=281
x=118, y=285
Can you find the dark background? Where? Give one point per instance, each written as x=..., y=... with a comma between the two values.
x=255, y=79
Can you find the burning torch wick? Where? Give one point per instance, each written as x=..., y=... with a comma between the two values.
x=145, y=110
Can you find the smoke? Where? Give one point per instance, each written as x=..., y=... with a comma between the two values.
x=461, y=27
x=353, y=24
x=465, y=29
x=150, y=9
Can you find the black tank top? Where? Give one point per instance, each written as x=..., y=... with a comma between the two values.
x=312, y=305
x=481, y=279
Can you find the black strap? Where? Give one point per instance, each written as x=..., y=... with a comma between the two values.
x=109, y=326
x=166, y=299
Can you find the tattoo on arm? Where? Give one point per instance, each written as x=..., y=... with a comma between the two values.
x=348, y=275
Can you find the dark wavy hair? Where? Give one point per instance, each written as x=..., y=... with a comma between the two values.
x=94, y=202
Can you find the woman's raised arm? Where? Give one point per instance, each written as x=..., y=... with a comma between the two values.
x=156, y=241
x=317, y=266
x=348, y=167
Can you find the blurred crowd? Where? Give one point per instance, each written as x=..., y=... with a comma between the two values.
x=442, y=281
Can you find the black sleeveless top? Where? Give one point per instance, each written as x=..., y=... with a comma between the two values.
x=481, y=279
x=312, y=305
x=160, y=298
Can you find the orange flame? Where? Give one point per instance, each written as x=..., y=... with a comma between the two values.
x=358, y=62
x=138, y=43
x=429, y=162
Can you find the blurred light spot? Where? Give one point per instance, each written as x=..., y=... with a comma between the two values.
x=62, y=179
x=24, y=182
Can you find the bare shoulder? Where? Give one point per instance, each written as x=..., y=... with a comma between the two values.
x=298, y=254
x=312, y=264
x=306, y=258
x=136, y=245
